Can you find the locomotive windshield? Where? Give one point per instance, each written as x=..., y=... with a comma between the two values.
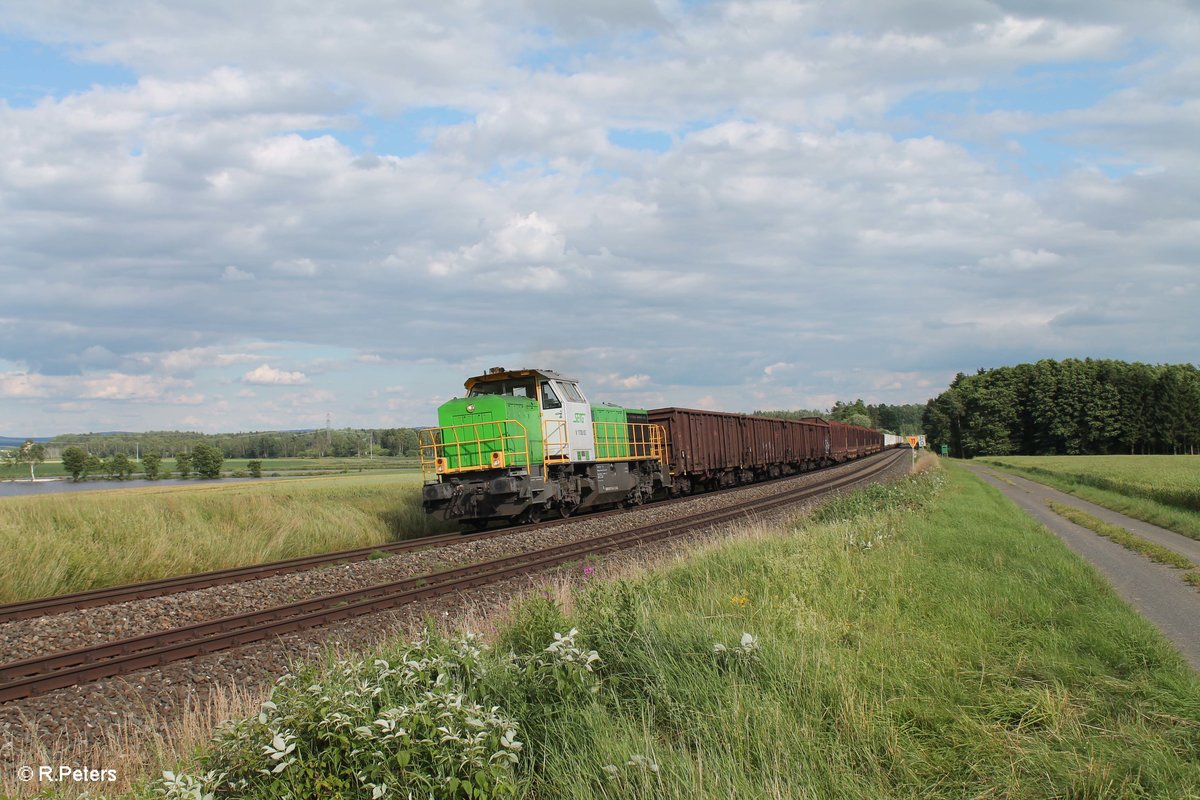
x=517, y=387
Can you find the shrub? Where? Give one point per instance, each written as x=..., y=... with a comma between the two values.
x=415, y=724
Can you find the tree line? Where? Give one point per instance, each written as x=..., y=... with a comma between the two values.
x=1069, y=407
x=903, y=419
x=339, y=443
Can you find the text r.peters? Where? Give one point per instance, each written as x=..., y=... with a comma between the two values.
x=76, y=774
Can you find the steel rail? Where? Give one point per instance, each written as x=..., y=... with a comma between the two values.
x=59, y=670
x=161, y=587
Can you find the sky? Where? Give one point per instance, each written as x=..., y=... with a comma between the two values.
x=227, y=216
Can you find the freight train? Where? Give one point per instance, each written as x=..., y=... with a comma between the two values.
x=528, y=443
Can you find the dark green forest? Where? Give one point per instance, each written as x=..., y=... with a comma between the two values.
x=1069, y=407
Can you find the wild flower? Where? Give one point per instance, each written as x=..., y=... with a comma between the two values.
x=642, y=762
x=739, y=600
x=746, y=651
x=189, y=787
x=589, y=571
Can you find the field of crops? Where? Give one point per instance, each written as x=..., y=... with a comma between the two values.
x=1170, y=480
x=68, y=543
x=1162, y=490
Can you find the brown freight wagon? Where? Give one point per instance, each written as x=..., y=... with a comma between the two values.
x=853, y=441
x=709, y=449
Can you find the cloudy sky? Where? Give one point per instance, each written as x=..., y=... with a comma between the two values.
x=246, y=215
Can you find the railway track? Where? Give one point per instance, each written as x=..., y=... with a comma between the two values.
x=161, y=587
x=36, y=676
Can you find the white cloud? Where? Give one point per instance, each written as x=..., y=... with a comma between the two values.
x=232, y=273
x=793, y=186
x=266, y=375
x=304, y=267
x=1020, y=259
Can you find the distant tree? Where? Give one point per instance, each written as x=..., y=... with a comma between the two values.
x=30, y=453
x=74, y=461
x=93, y=465
x=151, y=463
x=183, y=463
x=859, y=419
x=122, y=466
x=255, y=467
x=844, y=411
x=207, y=460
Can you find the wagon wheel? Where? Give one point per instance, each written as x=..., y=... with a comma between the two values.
x=566, y=508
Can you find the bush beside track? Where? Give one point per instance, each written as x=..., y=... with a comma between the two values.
x=923, y=640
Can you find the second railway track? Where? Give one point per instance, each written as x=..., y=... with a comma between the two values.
x=35, y=676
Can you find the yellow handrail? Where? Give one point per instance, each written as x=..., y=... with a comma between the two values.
x=621, y=441
x=452, y=449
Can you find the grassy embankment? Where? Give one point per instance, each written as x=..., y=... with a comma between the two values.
x=923, y=641
x=168, y=468
x=72, y=542
x=1161, y=490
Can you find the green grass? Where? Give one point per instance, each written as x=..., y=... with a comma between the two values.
x=926, y=641
x=1130, y=541
x=1161, y=490
x=73, y=542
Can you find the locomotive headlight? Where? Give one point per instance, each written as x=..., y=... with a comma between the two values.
x=440, y=466
x=497, y=459
x=471, y=408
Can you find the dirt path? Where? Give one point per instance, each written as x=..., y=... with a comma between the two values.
x=1157, y=591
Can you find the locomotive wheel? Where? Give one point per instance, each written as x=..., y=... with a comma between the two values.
x=530, y=516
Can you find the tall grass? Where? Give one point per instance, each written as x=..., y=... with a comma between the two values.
x=927, y=641
x=946, y=648
x=67, y=543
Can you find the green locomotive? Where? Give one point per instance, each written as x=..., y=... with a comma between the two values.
x=526, y=443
